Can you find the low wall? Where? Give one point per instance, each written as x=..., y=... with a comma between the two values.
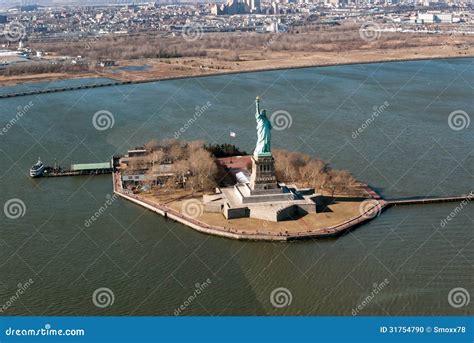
x=232, y=213
x=264, y=212
x=214, y=207
x=308, y=208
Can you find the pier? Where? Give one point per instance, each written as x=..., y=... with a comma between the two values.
x=429, y=200
x=78, y=170
x=62, y=89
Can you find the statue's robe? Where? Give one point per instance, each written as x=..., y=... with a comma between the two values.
x=264, y=126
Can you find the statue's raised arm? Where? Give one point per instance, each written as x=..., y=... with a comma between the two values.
x=257, y=106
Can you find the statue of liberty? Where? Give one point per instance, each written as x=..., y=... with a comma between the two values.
x=263, y=147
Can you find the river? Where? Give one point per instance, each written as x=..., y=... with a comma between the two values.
x=387, y=123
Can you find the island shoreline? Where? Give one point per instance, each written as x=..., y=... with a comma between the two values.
x=255, y=235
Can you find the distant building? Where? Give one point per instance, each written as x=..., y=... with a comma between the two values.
x=236, y=7
x=444, y=18
x=429, y=18
x=254, y=5
x=138, y=152
x=425, y=18
x=275, y=8
x=3, y=19
x=106, y=63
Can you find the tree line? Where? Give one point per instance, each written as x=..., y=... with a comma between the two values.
x=306, y=171
x=193, y=166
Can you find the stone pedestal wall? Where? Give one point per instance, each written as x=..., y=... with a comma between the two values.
x=263, y=173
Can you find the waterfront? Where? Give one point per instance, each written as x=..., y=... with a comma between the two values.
x=152, y=265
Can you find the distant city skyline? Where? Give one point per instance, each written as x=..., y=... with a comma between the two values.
x=91, y=2
x=12, y=3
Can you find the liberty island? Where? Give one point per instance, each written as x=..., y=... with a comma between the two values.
x=248, y=204
x=251, y=203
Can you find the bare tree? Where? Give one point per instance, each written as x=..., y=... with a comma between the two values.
x=152, y=145
x=304, y=170
x=203, y=168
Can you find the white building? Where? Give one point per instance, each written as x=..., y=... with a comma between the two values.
x=429, y=18
x=444, y=18
x=425, y=18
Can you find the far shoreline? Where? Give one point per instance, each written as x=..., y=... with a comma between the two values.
x=117, y=81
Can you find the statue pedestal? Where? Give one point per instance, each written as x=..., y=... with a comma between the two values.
x=263, y=178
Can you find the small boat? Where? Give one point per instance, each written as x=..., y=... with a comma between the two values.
x=38, y=169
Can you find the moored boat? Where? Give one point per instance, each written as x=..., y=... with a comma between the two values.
x=38, y=169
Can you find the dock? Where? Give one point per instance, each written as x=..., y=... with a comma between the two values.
x=62, y=89
x=429, y=200
x=79, y=169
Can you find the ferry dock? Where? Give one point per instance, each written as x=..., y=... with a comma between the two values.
x=429, y=200
x=78, y=169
